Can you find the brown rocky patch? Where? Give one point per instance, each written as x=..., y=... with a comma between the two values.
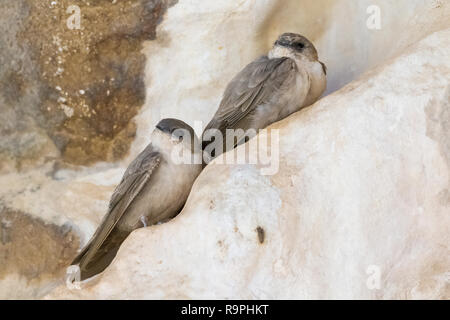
x=77, y=89
x=33, y=249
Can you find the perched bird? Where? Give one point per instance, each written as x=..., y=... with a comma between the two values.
x=269, y=89
x=153, y=189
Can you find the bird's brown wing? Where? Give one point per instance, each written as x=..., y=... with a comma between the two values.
x=251, y=87
x=134, y=179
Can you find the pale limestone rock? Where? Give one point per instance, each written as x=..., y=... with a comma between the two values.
x=363, y=187
x=199, y=46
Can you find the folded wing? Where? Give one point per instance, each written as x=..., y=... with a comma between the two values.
x=255, y=85
x=103, y=245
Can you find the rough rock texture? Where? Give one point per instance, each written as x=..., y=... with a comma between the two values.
x=363, y=183
x=23, y=240
x=72, y=92
x=67, y=97
x=198, y=46
x=203, y=44
x=44, y=219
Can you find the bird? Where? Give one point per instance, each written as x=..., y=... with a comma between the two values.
x=287, y=79
x=153, y=189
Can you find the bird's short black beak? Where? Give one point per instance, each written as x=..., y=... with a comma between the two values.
x=324, y=67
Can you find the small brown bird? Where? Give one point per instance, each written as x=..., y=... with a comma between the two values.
x=153, y=189
x=267, y=90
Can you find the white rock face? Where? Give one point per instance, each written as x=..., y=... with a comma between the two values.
x=359, y=208
x=362, y=165
x=201, y=45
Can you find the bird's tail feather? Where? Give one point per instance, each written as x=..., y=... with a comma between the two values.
x=103, y=256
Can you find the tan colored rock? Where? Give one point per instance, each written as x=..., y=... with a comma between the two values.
x=44, y=219
x=68, y=92
x=32, y=253
x=199, y=46
x=67, y=98
x=361, y=194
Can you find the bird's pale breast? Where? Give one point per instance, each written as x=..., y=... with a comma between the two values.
x=163, y=195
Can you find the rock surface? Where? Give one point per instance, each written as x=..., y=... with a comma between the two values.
x=361, y=195
x=72, y=93
x=201, y=45
x=23, y=240
x=67, y=98
x=59, y=167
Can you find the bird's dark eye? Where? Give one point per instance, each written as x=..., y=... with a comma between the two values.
x=299, y=45
x=177, y=136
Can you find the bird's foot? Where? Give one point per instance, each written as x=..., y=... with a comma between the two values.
x=144, y=221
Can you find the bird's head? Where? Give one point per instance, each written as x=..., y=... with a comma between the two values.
x=173, y=132
x=296, y=44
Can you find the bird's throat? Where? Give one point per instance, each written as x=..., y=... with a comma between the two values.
x=280, y=52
